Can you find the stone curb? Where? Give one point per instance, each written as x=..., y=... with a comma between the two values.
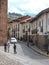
x=41, y=53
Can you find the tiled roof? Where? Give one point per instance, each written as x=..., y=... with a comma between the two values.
x=21, y=19
x=38, y=15
x=24, y=17
x=43, y=11
x=26, y=20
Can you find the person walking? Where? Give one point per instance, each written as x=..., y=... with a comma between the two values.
x=5, y=47
x=28, y=43
x=8, y=45
x=14, y=48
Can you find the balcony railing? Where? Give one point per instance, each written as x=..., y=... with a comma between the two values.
x=29, y=29
x=34, y=31
x=23, y=31
x=41, y=29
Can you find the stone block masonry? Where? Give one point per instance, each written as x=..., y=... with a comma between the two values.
x=3, y=21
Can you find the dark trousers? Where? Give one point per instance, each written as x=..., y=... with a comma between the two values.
x=5, y=49
x=14, y=51
x=28, y=44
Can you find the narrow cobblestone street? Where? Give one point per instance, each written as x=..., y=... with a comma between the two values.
x=5, y=60
x=24, y=32
x=25, y=56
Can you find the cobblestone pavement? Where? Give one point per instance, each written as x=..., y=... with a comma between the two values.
x=24, y=55
x=4, y=60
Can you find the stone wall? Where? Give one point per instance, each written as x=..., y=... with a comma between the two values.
x=41, y=41
x=3, y=21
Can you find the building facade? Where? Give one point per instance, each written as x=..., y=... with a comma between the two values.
x=19, y=27
x=42, y=26
x=26, y=29
x=14, y=28
x=33, y=29
x=3, y=21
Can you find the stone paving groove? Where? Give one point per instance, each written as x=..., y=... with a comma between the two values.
x=7, y=61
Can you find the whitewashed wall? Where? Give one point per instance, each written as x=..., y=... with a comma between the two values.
x=45, y=19
x=32, y=26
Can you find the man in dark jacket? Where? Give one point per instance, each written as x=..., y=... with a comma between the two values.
x=5, y=47
x=14, y=48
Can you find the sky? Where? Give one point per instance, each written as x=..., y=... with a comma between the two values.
x=26, y=7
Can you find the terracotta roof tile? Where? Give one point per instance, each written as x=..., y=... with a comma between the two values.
x=42, y=12
x=21, y=18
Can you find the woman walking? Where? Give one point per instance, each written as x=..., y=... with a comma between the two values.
x=8, y=45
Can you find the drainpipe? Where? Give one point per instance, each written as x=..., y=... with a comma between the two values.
x=29, y=32
x=18, y=31
x=36, y=34
x=46, y=36
x=46, y=22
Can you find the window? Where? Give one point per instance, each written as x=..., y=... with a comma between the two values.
x=39, y=23
x=26, y=26
x=41, y=26
x=16, y=27
x=24, y=29
x=41, y=29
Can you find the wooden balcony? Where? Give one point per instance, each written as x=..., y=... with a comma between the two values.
x=34, y=31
